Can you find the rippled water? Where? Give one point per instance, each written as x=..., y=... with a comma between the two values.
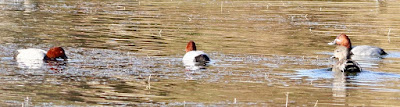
x=265, y=52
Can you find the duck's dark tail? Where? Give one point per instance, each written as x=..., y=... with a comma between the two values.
x=202, y=60
x=383, y=52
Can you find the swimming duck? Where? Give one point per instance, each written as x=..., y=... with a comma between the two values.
x=363, y=50
x=34, y=58
x=194, y=57
x=39, y=54
x=345, y=64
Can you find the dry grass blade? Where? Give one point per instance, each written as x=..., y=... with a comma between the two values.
x=287, y=98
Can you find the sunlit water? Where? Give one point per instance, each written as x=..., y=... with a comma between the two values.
x=263, y=52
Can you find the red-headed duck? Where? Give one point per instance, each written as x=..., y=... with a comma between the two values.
x=363, y=50
x=39, y=54
x=34, y=58
x=194, y=57
x=345, y=64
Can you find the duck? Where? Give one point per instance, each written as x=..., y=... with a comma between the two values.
x=39, y=54
x=344, y=63
x=363, y=50
x=33, y=58
x=194, y=57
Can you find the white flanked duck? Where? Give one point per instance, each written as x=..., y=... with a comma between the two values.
x=345, y=64
x=194, y=59
x=34, y=58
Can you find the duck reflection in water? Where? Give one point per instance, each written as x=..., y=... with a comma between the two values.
x=53, y=66
x=341, y=83
x=57, y=66
x=193, y=59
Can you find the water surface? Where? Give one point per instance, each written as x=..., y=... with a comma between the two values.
x=129, y=52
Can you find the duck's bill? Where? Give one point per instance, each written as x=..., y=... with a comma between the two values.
x=64, y=57
x=333, y=42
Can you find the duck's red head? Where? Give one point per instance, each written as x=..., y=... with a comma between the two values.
x=342, y=40
x=55, y=52
x=191, y=46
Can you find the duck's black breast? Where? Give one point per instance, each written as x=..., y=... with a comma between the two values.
x=202, y=59
x=352, y=66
